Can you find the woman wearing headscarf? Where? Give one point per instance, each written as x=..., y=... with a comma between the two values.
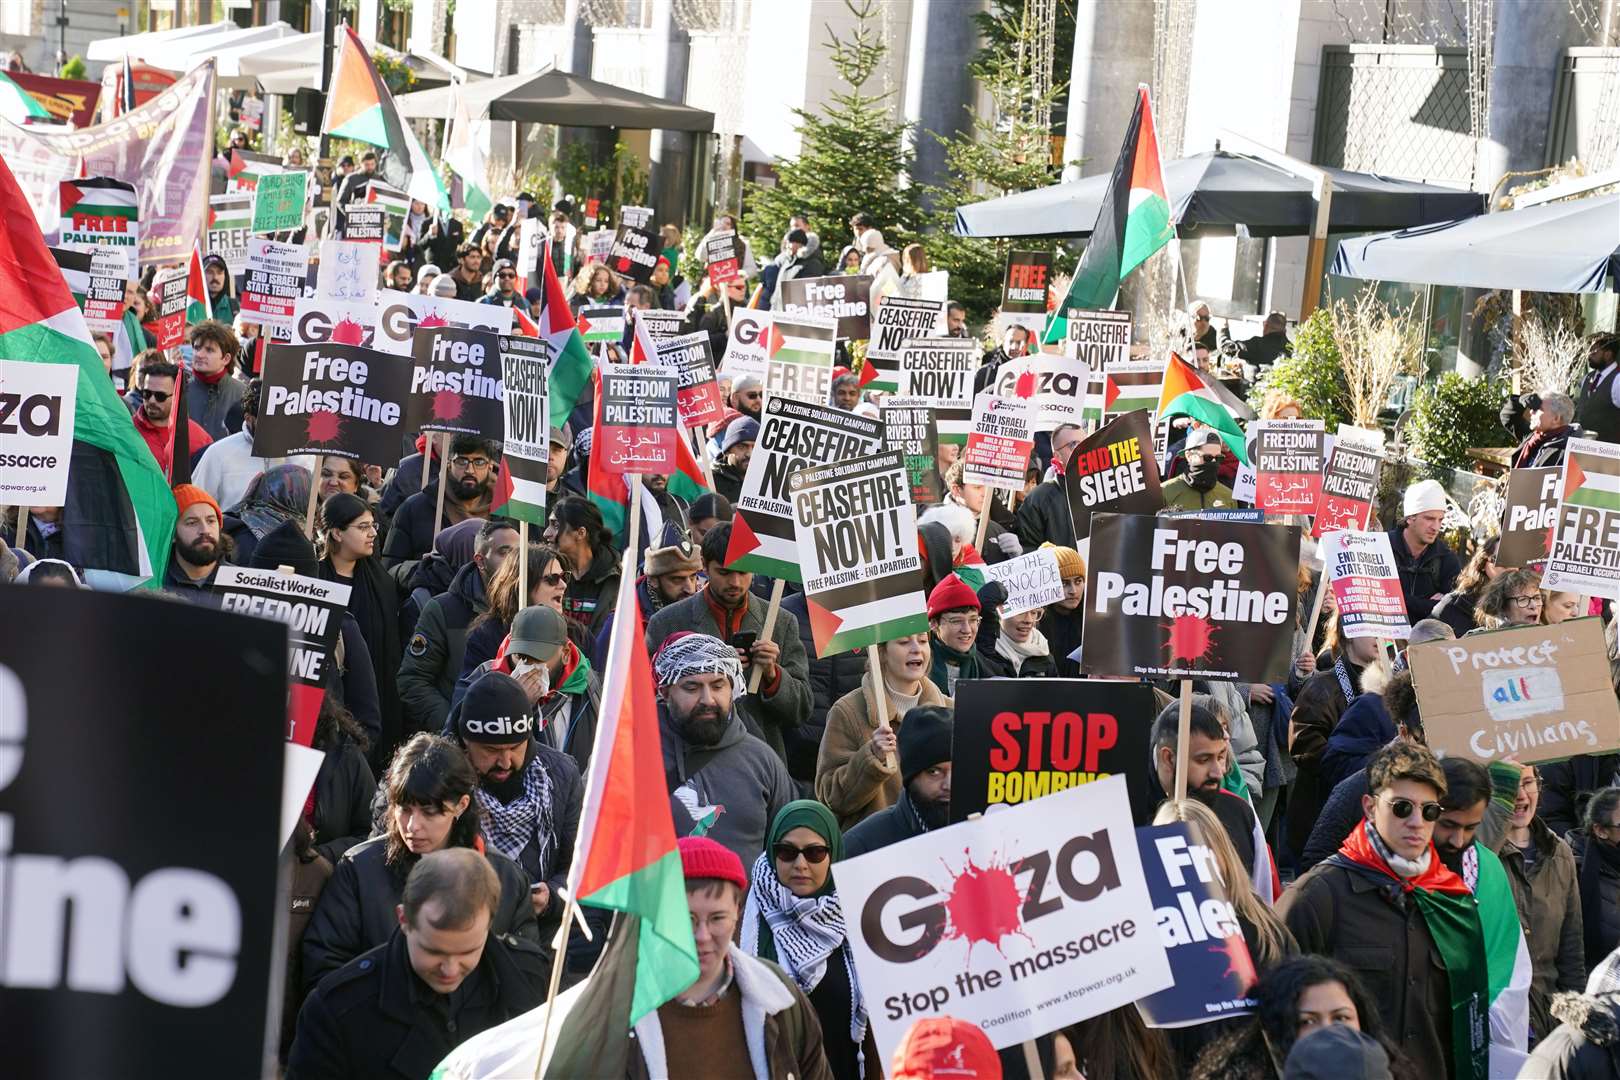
x=794, y=919
x=275, y=495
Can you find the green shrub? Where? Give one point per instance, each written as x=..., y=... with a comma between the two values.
x=1453, y=414
x=1313, y=373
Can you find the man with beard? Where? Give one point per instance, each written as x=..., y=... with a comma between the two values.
x=1200, y=487
x=735, y=450
x=723, y=782
x=152, y=402
x=748, y=395
x=924, y=742
x=1427, y=566
x=471, y=476
x=1598, y=408
x=195, y=557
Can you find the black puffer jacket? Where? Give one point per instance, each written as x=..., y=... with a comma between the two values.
x=343, y=791
x=1424, y=577
x=1597, y=878
x=830, y=679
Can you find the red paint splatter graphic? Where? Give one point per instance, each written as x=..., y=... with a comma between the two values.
x=1024, y=387
x=432, y=320
x=348, y=332
x=1238, y=961
x=446, y=405
x=623, y=266
x=323, y=426
x=984, y=905
x=1190, y=637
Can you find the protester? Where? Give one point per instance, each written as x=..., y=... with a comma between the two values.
x=1209, y=750
x=548, y=584
x=277, y=495
x=576, y=529
x=1597, y=409
x=153, y=403
x=595, y=285
x=1044, y=514
x=1586, y=1045
x=505, y=290
x=1062, y=622
x=563, y=690
x=1558, y=606
x=1024, y=649
x=1386, y=703
x=1567, y=786
x=348, y=533
x=1114, y=1044
x=945, y=1048
x=1513, y=598
x=1456, y=608
x=924, y=747
x=1427, y=567
x=953, y=631
x=1317, y=711
x=1596, y=847
x=1551, y=413
x=1199, y=486
x=735, y=449
x=217, y=282
x=466, y=276
x=339, y=810
x=213, y=393
x=707, y=511
x=470, y=479
x=1000, y=542
x=227, y=465
x=1014, y=345
x=452, y=550
x=195, y=557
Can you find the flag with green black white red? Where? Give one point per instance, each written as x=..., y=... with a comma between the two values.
x=855, y=531
x=793, y=435
x=98, y=211
x=1588, y=511
x=75, y=267
x=799, y=357
x=1124, y=387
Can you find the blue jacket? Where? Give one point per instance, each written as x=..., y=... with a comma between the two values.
x=1364, y=727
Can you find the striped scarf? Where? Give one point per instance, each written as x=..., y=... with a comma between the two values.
x=510, y=826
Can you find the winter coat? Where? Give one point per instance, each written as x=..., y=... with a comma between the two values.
x=306, y=879
x=730, y=791
x=1362, y=729
x=1549, y=904
x=1062, y=631
x=1045, y=515
x=783, y=1035
x=901, y=821
x=1544, y=454
x=1246, y=751
x=1567, y=786
x=432, y=661
x=209, y=405
x=344, y=788
x=352, y=681
x=772, y=713
x=375, y=1020
x=415, y=523
x=851, y=779
x=593, y=593
x=176, y=582
x=574, y=733
x=1339, y=814
x=1585, y=1046
x=1603, y=924
x=831, y=677
x=1426, y=576
x=728, y=481
x=1456, y=610
x=405, y=482
x=356, y=912
x=1316, y=713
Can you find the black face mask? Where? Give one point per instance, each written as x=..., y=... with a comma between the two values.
x=1202, y=476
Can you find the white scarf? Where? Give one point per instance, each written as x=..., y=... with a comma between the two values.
x=1012, y=650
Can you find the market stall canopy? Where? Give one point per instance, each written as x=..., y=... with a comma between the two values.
x=296, y=62
x=1563, y=247
x=558, y=97
x=1213, y=193
x=147, y=46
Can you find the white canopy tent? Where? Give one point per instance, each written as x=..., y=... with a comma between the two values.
x=140, y=46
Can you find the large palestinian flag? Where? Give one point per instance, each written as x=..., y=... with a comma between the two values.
x=1133, y=223
x=360, y=107
x=1188, y=392
x=1124, y=388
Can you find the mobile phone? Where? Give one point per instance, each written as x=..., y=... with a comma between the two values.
x=744, y=640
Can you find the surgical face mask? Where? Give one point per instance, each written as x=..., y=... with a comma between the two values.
x=522, y=665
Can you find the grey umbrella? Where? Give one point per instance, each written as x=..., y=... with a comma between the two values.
x=558, y=97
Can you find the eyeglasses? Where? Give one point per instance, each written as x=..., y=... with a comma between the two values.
x=365, y=527
x=1534, y=600
x=557, y=580
x=476, y=464
x=815, y=854
x=159, y=396
x=960, y=622
x=506, y=274
x=1402, y=808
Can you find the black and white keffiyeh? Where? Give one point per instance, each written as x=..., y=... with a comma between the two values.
x=508, y=827
x=684, y=655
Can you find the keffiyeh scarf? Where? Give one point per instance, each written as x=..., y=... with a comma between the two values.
x=686, y=654
x=508, y=827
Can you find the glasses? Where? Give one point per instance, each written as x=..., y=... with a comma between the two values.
x=506, y=274
x=557, y=580
x=1526, y=601
x=159, y=396
x=1402, y=808
x=477, y=464
x=960, y=622
x=366, y=527
x=815, y=854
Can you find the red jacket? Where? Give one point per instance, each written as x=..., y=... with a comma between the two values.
x=157, y=439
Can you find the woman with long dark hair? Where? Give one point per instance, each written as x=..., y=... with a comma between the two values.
x=1456, y=608
x=1116, y=1045
x=348, y=540
x=578, y=531
x=549, y=578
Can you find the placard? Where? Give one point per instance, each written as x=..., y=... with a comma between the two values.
x=399, y=314
x=941, y=370
x=1366, y=585
x=635, y=249
x=748, y=343
x=1288, y=465
x=365, y=224
x=273, y=282
x=1000, y=443
x=1032, y=581
x=1190, y=599
x=37, y=407
x=908, y=428
x=843, y=298
x=1056, y=384
x=1536, y=693
x=698, y=394
x=598, y=244
x=279, y=200
x=98, y=211
x=526, y=441
x=637, y=429
x=1113, y=471
x=230, y=230
x=1124, y=387
x=347, y=272
x=722, y=256
x=330, y=398
x=896, y=319
x=856, y=533
x=1585, y=554
x=1349, y=481
x=168, y=296
x=1099, y=339
x=532, y=234
x=799, y=358
x=104, y=295
x=456, y=382
x=1529, y=513
x=1025, y=283
x=660, y=323
x=1020, y=922
x=600, y=323
x=319, y=320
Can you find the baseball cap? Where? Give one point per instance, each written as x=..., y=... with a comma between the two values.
x=537, y=631
x=561, y=436
x=937, y=1047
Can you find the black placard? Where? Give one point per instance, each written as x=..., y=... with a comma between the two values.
x=326, y=398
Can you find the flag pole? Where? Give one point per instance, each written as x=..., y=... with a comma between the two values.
x=757, y=673
x=523, y=563
x=1183, y=733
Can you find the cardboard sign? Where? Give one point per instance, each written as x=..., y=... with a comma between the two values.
x=98, y=211
x=844, y=298
x=1349, y=482
x=456, y=382
x=1056, y=384
x=230, y=230
x=722, y=256
x=1199, y=928
x=599, y=323
x=140, y=923
x=1025, y=283
x=1032, y=581
x=637, y=428
x=660, y=323
x=331, y=399
x=1124, y=387
x=896, y=320
x=526, y=441
x=799, y=358
x=1099, y=339
x=1000, y=443
x=1190, y=599
x=279, y=200
x=1113, y=471
x=312, y=610
x=37, y=405
x=273, y=281
x=168, y=296
x=1538, y=693
x=347, y=272
x=698, y=394
x=856, y=533
x=1529, y=515
x=1585, y=554
x=908, y=429
x=104, y=294
x=793, y=435
x=399, y=314
x=1288, y=465
x=1366, y=585
x=635, y=249
x=748, y=345
x=941, y=370
x=1021, y=921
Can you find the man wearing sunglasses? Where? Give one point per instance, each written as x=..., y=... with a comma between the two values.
x=505, y=290
x=152, y=401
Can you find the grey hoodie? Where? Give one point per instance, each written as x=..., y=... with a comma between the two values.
x=729, y=792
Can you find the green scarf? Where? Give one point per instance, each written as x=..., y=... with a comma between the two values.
x=967, y=664
x=812, y=815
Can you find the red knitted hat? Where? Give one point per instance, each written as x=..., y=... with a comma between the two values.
x=951, y=594
x=943, y=1046
x=705, y=858
x=186, y=495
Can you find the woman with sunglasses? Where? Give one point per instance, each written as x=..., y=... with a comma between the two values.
x=793, y=918
x=549, y=578
x=1513, y=599
x=348, y=537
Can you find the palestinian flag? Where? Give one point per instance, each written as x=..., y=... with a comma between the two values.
x=75, y=267
x=245, y=168
x=465, y=158
x=18, y=105
x=359, y=106
x=795, y=342
x=1507, y=960
x=1591, y=480
x=1123, y=388
x=100, y=210
x=1187, y=392
x=1133, y=223
x=198, y=308
x=571, y=365
x=126, y=510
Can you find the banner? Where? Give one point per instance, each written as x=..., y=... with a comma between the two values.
x=600, y=324
x=1349, y=482
x=799, y=358
x=98, y=212
x=1020, y=922
x=395, y=204
x=312, y=610
x=128, y=916
x=844, y=298
x=1022, y=739
x=793, y=435
x=69, y=101
x=1056, y=384
x=1124, y=387
x=856, y=533
x=398, y=314
x=1199, y=929
x=637, y=433
x=1366, y=585
x=895, y=320
x=1032, y=581
x=230, y=231
x=698, y=394
x=999, y=445
x=1536, y=693
x=168, y=296
x=1099, y=339
x=908, y=429
x=526, y=440
x=1190, y=599
x=104, y=295
x=1025, y=283
x=1288, y=465
x=1585, y=554
x=722, y=257
x=636, y=248
x=36, y=432
x=1113, y=471
x=329, y=398
x=1528, y=516
x=748, y=345
x=456, y=382
x=941, y=369
x=273, y=282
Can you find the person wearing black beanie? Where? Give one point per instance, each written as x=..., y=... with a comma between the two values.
x=924, y=742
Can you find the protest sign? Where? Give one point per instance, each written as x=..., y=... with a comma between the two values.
x=395, y=204
x=1536, y=693
x=278, y=201
x=331, y=398
x=525, y=444
x=1189, y=598
x=660, y=324
x=230, y=230
x=722, y=256
x=104, y=292
x=896, y=319
x=168, y=297
x=1113, y=471
x=244, y=168
x=1366, y=585
x=598, y=244
x=1199, y=929
x=637, y=430
x=1288, y=465
x=1032, y=581
x=532, y=235
x=400, y=313
x=799, y=358
x=600, y=323
x=929, y=285
x=345, y=322
x=856, y=534
x=1245, y=515
x=312, y=610
x=793, y=435
x=1000, y=442
x=456, y=382
x=252, y=112
x=139, y=921
x=636, y=249
x=747, y=345
x=99, y=212
x=845, y=299
x=941, y=369
x=1099, y=339
x=36, y=431
x=1056, y=384
x=347, y=272
x=1025, y=282
x=908, y=428
x=273, y=282
x=1585, y=554
x=1528, y=516
x=1350, y=481
x=365, y=224
x=698, y=396
x=1020, y=922
x=1124, y=387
